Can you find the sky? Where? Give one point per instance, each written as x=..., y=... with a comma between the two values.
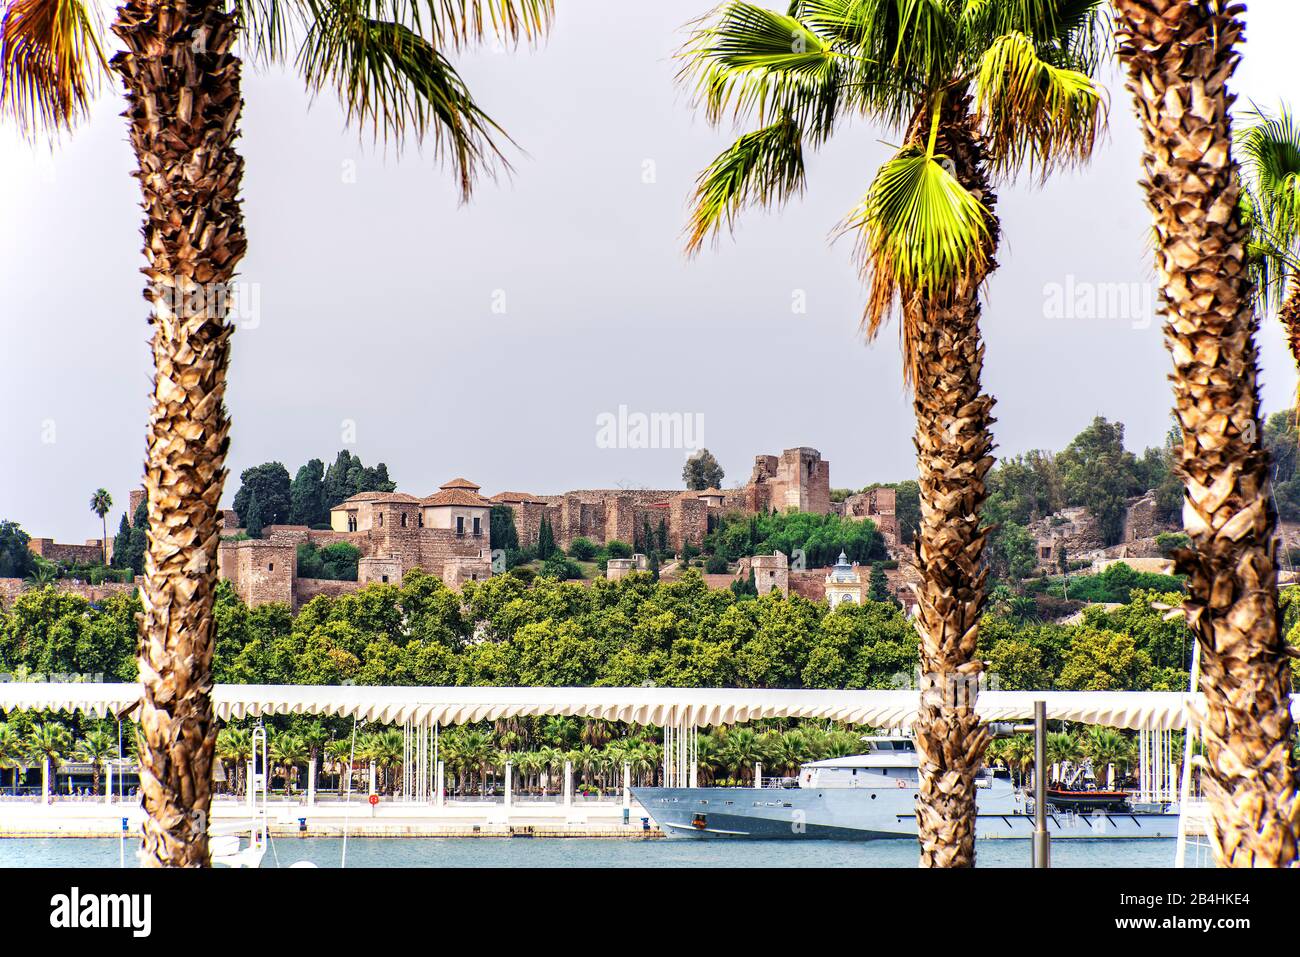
x=499, y=339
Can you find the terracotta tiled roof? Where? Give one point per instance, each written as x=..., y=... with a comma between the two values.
x=402, y=497
x=460, y=483
x=456, y=496
x=515, y=497
x=359, y=498
x=376, y=497
x=711, y=491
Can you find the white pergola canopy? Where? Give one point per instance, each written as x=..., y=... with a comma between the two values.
x=679, y=707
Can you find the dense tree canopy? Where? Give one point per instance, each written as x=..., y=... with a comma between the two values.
x=268, y=486
x=702, y=471
x=509, y=631
x=15, y=557
x=818, y=538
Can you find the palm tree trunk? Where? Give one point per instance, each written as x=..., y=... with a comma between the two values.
x=183, y=100
x=954, y=445
x=1178, y=57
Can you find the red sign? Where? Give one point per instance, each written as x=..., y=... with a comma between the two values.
x=374, y=799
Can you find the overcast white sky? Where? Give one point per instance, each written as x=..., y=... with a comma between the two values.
x=377, y=295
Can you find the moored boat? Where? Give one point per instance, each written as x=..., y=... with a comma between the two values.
x=872, y=796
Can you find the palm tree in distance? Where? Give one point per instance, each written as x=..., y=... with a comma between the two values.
x=288, y=750
x=389, y=67
x=236, y=746
x=100, y=503
x=96, y=746
x=49, y=741
x=977, y=90
x=1269, y=147
x=1179, y=58
x=13, y=753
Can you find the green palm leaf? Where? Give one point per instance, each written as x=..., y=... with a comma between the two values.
x=763, y=168
x=1034, y=113
x=760, y=63
x=920, y=233
x=390, y=77
x=1269, y=148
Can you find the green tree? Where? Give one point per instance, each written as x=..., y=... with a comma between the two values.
x=1269, y=146
x=545, y=539
x=268, y=485
x=16, y=560
x=1100, y=660
x=976, y=90
x=13, y=753
x=878, y=587
x=702, y=471
x=100, y=503
x=184, y=97
x=122, y=543
x=501, y=528
x=307, y=495
x=96, y=746
x=583, y=549
x=253, y=517
x=1100, y=474
x=49, y=741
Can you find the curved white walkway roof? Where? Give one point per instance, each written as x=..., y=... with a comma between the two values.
x=655, y=706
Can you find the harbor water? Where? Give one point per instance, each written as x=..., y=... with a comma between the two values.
x=596, y=852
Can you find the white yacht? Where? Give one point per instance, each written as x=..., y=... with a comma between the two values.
x=870, y=796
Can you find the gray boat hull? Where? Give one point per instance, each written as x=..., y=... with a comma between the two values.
x=867, y=814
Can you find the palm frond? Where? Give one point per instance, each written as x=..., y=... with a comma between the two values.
x=761, y=64
x=266, y=25
x=1033, y=112
x=920, y=234
x=393, y=79
x=51, y=62
x=762, y=168
x=457, y=22
x=1269, y=150
x=1075, y=34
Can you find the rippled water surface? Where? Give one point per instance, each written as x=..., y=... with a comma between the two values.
x=591, y=852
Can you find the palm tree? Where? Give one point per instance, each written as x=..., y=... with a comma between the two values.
x=1105, y=746
x=551, y=761
x=1063, y=747
x=49, y=741
x=741, y=749
x=976, y=89
x=1179, y=58
x=314, y=736
x=1270, y=151
x=96, y=746
x=100, y=503
x=183, y=95
x=385, y=748
x=339, y=753
x=288, y=750
x=43, y=573
x=1018, y=753
x=236, y=745
x=13, y=751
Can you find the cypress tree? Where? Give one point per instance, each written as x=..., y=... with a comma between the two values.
x=545, y=539
x=122, y=544
x=307, y=495
x=253, y=520
x=879, y=588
